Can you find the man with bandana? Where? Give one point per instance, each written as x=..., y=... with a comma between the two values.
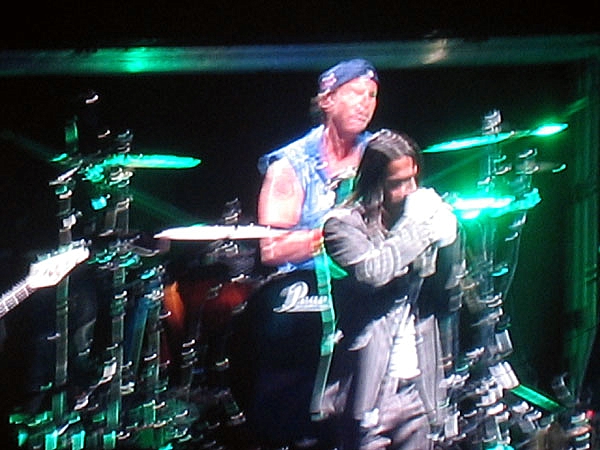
x=303, y=181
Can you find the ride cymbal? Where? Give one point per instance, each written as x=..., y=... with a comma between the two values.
x=219, y=232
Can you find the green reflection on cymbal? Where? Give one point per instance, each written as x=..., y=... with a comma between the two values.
x=151, y=161
x=544, y=130
x=470, y=142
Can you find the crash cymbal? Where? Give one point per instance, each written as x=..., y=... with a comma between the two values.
x=469, y=142
x=150, y=161
x=479, y=141
x=219, y=232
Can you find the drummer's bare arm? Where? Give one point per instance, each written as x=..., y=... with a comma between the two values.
x=279, y=206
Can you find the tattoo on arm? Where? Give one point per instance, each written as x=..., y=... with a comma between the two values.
x=280, y=200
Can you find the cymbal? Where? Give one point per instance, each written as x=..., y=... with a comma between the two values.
x=469, y=142
x=480, y=202
x=219, y=232
x=150, y=161
x=479, y=141
x=472, y=206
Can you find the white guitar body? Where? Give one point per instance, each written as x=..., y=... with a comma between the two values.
x=48, y=271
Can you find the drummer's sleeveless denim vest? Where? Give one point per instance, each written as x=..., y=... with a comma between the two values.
x=305, y=157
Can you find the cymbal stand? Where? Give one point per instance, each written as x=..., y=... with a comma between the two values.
x=113, y=366
x=118, y=181
x=151, y=385
x=232, y=253
x=117, y=224
x=487, y=184
x=136, y=406
x=63, y=188
x=117, y=259
x=50, y=430
x=487, y=421
x=154, y=415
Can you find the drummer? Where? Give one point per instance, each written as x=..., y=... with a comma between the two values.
x=302, y=182
x=300, y=179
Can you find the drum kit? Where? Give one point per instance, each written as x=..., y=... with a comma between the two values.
x=132, y=395
x=136, y=398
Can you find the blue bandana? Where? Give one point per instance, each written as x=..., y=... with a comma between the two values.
x=346, y=71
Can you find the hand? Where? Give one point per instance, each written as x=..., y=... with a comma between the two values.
x=422, y=204
x=444, y=225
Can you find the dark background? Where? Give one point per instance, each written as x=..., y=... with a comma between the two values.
x=100, y=24
x=229, y=120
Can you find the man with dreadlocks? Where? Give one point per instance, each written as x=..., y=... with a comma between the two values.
x=398, y=242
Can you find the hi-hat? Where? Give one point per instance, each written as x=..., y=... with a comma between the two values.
x=219, y=232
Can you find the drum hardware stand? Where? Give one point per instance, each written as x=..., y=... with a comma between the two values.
x=118, y=181
x=491, y=405
x=68, y=218
x=97, y=419
x=136, y=411
x=149, y=418
x=55, y=427
x=104, y=415
x=105, y=425
x=120, y=260
x=189, y=360
x=204, y=363
x=485, y=419
x=60, y=437
x=231, y=249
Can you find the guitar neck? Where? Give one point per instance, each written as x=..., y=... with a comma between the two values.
x=13, y=297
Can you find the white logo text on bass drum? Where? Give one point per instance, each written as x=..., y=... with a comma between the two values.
x=296, y=299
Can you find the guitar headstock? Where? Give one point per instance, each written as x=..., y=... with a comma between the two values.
x=53, y=267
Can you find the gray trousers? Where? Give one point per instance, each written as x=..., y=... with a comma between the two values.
x=390, y=398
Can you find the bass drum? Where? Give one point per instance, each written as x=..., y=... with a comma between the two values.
x=275, y=351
